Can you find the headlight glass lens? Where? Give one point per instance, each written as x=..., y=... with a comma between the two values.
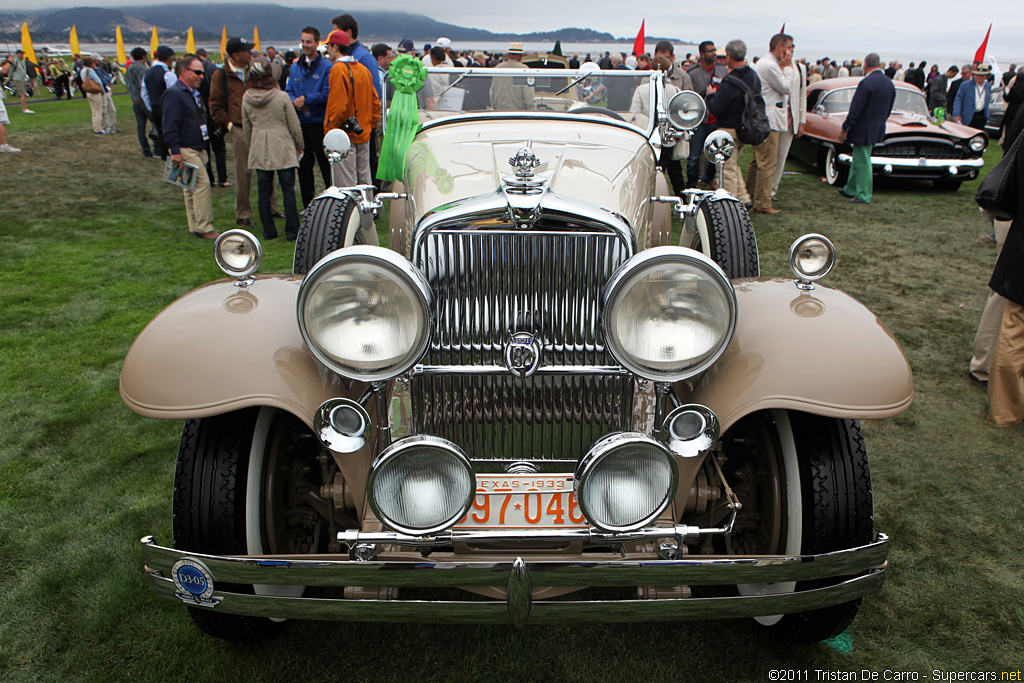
x=977, y=143
x=364, y=316
x=624, y=482
x=686, y=110
x=668, y=316
x=421, y=485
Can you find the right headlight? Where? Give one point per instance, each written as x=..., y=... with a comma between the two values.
x=977, y=143
x=669, y=313
x=365, y=313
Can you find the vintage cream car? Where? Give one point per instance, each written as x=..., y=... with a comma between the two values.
x=529, y=392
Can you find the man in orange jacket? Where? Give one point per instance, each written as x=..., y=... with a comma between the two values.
x=352, y=106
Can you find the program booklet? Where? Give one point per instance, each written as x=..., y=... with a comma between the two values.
x=181, y=177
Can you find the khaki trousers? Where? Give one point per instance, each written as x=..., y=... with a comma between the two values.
x=762, y=169
x=732, y=180
x=1006, y=376
x=243, y=177
x=991, y=317
x=109, y=112
x=354, y=169
x=96, y=106
x=785, y=142
x=198, y=202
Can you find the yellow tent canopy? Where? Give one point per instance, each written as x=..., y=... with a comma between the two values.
x=26, y=45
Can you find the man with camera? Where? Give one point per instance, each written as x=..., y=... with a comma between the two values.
x=352, y=106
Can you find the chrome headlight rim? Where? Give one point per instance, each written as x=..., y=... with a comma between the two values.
x=978, y=143
x=249, y=240
x=396, y=265
x=682, y=101
x=601, y=449
x=397, y=450
x=808, y=276
x=664, y=255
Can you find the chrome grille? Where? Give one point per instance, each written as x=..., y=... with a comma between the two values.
x=489, y=284
x=915, y=149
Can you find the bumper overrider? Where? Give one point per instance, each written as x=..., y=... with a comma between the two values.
x=194, y=578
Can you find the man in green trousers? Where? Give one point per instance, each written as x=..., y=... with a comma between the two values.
x=864, y=127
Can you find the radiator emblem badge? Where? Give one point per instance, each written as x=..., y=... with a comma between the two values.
x=194, y=583
x=522, y=354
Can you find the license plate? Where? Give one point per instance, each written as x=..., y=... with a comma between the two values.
x=523, y=501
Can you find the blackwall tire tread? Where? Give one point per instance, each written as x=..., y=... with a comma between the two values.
x=209, y=510
x=733, y=244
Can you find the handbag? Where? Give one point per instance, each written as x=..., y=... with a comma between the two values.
x=998, y=191
x=90, y=86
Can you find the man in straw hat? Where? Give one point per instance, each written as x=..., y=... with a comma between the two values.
x=506, y=92
x=970, y=106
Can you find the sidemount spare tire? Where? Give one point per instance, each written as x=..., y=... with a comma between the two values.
x=328, y=224
x=725, y=234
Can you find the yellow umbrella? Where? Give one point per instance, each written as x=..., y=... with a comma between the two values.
x=26, y=44
x=154, y=43
x=121, y=57
x=223, y=42
x=190, y=42
x=73, y=41
x=256, y=39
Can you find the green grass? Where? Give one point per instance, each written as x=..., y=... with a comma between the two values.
x=92, y=246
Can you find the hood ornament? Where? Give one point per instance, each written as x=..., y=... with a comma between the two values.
x=524, y=182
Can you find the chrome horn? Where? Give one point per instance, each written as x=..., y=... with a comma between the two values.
x=718, y=147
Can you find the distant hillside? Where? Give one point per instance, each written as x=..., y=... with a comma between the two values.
x=276, y=23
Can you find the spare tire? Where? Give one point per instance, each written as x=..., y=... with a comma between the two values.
x=328, y=224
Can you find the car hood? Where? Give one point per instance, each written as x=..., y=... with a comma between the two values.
x=608, y=165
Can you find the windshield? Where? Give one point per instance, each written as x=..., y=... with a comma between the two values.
x=511, y=87
x=907, y=102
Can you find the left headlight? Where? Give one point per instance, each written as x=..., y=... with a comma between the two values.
x=977, y=143
x=686, y=110
x=669, y=313
x=365, y=313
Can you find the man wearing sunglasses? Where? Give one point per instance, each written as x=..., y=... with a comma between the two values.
x=187, y=138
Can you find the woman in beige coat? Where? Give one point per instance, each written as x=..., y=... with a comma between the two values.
x=271, y=128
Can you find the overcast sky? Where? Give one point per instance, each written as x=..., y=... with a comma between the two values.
x=936, y=27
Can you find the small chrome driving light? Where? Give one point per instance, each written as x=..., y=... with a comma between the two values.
x=978, y=143
x=625, y=481
x=719, y=146
x=238, y=253
x=341, y=425
x=811, y=257
x=420, y=485
x=365, y=313
x=336, y=144
x=686, y=110
x=690, y=430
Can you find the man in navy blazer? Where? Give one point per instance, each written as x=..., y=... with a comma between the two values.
x=864, y=126
x=966, y=107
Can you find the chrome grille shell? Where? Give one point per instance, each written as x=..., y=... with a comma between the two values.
x=491, y=280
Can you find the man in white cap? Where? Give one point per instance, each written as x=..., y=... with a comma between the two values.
x=438, y=82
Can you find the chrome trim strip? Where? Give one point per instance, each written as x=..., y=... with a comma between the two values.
x=712, y=570
x=903, y=162
x=502, y=370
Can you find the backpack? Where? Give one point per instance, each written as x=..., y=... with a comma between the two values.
x=753, y=128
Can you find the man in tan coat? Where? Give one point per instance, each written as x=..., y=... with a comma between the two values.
x=506, y=94
x=227, y=87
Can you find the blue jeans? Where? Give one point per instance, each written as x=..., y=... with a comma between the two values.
x=265, y=186
x=700, y=135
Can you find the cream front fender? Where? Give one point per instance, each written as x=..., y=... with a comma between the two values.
x=820, y=352
x=221, y=348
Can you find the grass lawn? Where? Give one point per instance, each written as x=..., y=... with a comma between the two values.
x=93, y=245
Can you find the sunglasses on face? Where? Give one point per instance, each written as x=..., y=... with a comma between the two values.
x=197, y=72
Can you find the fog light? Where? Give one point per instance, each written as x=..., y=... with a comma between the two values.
x=238, y=253
x=420, y=485
x=690, y=430
x=341, y=425
x=625, y=481
x=811, y=257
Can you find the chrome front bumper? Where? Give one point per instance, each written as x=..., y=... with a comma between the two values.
x=921, y=165
x=859, y=572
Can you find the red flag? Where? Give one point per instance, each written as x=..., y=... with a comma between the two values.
x=783, y=29
x=979, y=56
x=638, y=44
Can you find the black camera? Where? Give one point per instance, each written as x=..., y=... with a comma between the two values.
x=352, y=126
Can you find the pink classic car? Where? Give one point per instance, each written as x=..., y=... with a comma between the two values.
x=915, y=146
